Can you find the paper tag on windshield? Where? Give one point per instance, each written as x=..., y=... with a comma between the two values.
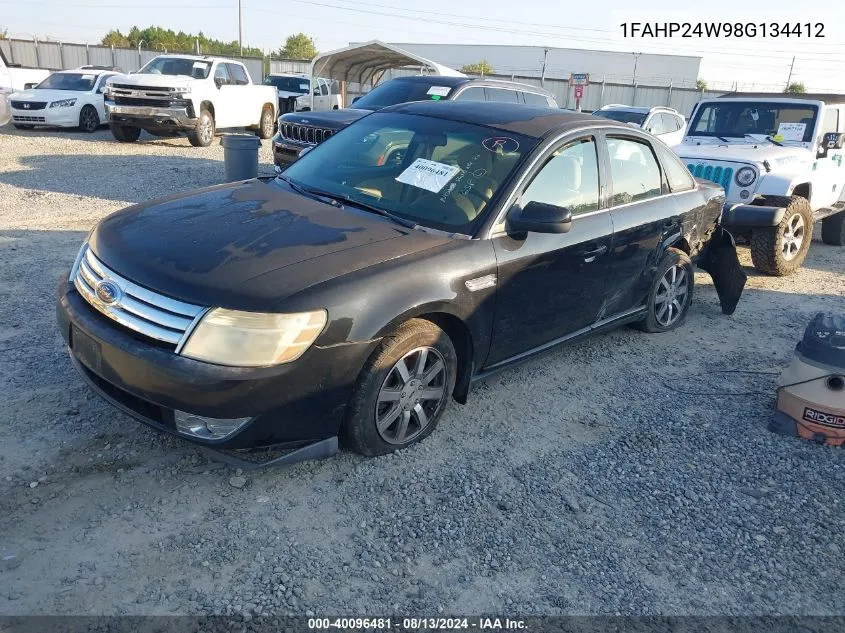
x=428, y=174
x=200, y=65
x=303, y=86
x=439, y=91
x=86, y=77
x=791, y=131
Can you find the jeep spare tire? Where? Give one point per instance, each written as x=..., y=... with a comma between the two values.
x=780, y=250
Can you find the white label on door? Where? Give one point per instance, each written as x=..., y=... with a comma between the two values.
x=791, y=131
x=438, y=91
x=428, y=174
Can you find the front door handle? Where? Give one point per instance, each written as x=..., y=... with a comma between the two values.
x=591, y=255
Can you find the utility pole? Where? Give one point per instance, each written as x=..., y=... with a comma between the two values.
x=789, y=78
x=240, y=27
x=543, y=71
x=636, y=59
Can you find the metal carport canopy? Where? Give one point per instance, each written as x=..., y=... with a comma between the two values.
x=360, y=63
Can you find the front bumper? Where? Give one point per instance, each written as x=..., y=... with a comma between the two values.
x=286, y=151
x=48, y=117
x=147, y=117
x=290, y=405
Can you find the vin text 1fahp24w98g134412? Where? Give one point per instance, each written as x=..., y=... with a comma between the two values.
x=351, y=299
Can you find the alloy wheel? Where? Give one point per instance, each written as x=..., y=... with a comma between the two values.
x=411, y=395
x=671, y=296
x=267, y=125
x=793, y=237
x=89, y=120
x=206, y=131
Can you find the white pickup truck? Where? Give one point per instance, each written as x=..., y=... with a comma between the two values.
x=189, y=94
x=780, y=160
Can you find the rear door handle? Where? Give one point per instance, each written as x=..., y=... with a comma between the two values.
x=591, y=255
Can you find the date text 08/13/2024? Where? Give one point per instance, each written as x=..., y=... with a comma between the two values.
x=416, y=624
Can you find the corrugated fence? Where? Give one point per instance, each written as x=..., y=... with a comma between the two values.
x=62, y=56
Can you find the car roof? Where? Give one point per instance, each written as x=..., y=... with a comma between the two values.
x=830, y=99
x=439, y=80
x=527, y=120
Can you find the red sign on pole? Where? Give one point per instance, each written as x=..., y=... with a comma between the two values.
x=579, y=92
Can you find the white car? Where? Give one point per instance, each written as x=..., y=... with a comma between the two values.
x=667, y=124
x=781, y=160
x=68, y=98
x=295, y=93
x=191, y=95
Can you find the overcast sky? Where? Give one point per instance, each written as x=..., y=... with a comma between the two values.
x=820, y=63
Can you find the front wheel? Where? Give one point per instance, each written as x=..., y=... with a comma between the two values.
x=125, y=133
x=833, y=229
x=402, y=390
x=671, y=293
x=203, y=134
x=266, y=123
x=89, y=120
x=780, y=250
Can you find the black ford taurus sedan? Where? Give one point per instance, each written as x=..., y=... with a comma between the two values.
x=355, y=299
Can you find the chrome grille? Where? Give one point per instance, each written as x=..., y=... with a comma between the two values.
x=137, y=308
x=29, y=105
x=718, y=174
x=304, y=133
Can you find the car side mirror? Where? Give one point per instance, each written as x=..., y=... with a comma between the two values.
x=833, y=140
x=29, y=86
x=218, y=82
x=356, y=98
x=539, y=217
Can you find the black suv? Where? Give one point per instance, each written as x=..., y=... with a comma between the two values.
x=351, y=298
x=302, y=130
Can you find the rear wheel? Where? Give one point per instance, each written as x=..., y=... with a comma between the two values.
x=125, y=133
x=266, y=123
x=671, y=293
x=780, y=250
x=203, y=134
x=833, y=229
x=402, y=390
x=89, y=120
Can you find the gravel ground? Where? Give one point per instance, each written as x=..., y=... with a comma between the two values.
x=629, y=473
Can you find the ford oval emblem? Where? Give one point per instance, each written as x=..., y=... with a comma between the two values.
x=108, y=292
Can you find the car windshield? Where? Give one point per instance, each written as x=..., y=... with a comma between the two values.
x=781, y=121
x=437, y=173
x=80, y=82
x=623, y=116
x=401, y=91
x=298, y=85
x=198, y=69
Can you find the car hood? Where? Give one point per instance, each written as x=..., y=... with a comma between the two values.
x=247, y=245
x=153, y=80
x=328, y=119
x=45, y=95
x=745, y=153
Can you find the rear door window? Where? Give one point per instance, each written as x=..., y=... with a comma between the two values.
x=502, y=94
x=532, y=98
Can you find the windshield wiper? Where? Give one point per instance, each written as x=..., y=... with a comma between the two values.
x=373, y=209
x=768, y=138
x=314, y=195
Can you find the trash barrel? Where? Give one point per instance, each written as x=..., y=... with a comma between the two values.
x=240, y=156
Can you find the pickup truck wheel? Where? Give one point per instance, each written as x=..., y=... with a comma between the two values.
x=671, y=293
x=89, y=120
x=402, y=390
x=833, y=229
x=780, y=250
x=125, y=133
x=266, y=123
x=203, y=134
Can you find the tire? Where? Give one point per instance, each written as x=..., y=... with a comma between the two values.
x=384, y=403
x=777, y=250
x=125, y=133
x=203, y=134
x=671, y=293
x=833, y=229
x=89, y=120
x=20, y=126
x=266, y=124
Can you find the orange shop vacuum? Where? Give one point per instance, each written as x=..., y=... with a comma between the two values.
x=811, y=391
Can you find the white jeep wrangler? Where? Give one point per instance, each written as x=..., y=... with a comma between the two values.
x=779, y=158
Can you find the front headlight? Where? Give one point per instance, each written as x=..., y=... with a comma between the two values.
x=64, y=103
x=253, y=339
x=745, y=177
